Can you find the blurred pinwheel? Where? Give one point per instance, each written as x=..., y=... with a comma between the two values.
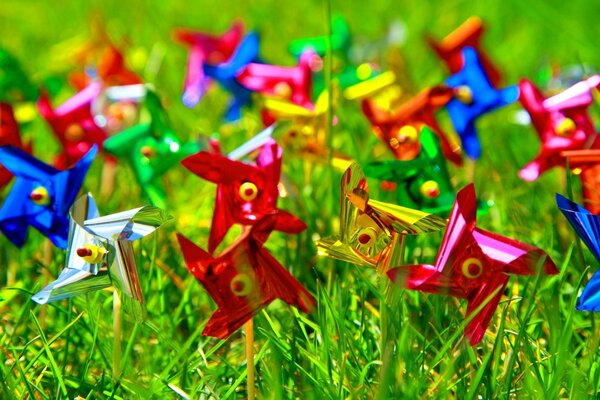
x=586, y=164
x=244, y=279
x=562, y=122
x=473, y=264
x=100, y=254
x=40, y=196
x=371, y=231
x=451, y=47
x=423, y=182
x=151, y=149
x=474, y=96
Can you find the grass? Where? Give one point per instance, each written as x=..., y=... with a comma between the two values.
x=537, y=345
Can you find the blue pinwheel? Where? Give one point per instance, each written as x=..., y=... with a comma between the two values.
x=587, y=227
x=225, y=74
x=41, y=196
x=474, y=96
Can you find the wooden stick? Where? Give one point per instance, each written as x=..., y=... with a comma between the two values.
x=46, y=277
x=117, y=335
x=249, y=330
x=108, y=178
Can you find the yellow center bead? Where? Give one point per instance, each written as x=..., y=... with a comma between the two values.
x=464, y=94
x=472, y=268
x=248, y=191
x=40, y=196
x=91, y=253
x=241, y=285
x=430, y=189
x=364, y=71
x=566, y=127
x=408, y=133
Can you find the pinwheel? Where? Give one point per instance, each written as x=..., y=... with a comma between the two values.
x=473, y=264
x=306, y=135
x=244, y=279
x=117, y=108
x=587, y=227
x=586, y=164
x=371, y=231
x=292, y=83
x=100, y=253
x=245, y=192
x=468, y=34
x=562, y=122
x=73, y=124
x=225, y=73
x=474, y=96
x=423, y=182
x=151, y=149
x=205, y=49
x=399, y=130
x=40, y=196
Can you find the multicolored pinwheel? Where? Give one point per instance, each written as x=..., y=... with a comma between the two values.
x=474, y=96
x=73, y=124
x=422, y=183
x=151, y=149
x=205, y=49
x=41, y=196
x=100, y=254
x=245, y=192
x=291, y=83
x=562, y=122
x=473, y=264
x=224, y=72
x=244, y=279
x=467, y=35
x=371, y=231
x=587, y=227
x=399, y=129
x=586, y=164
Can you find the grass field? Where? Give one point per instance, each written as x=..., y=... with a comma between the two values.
x=366, y=338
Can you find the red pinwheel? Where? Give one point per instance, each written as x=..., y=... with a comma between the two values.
x=292, y=83
x=244, y=279
x=473, y=264
x=73, y=124
x=214, y=49
x=9, y=135
x=245, y=192
x=562, y=123
x=399, y=129
x=468, y=34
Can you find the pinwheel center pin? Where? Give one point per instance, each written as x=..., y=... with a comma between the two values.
x=472, y=268
x=464, y=94
x=366, y=236
x=566, y=127
x=408, y=133
x=147, y=151
x=282, y=89
x=241, y=285
x=430, y=189
x=74, y=133
x=364, y=71
x=91, y=253
x=40, y=196
x=248, y=191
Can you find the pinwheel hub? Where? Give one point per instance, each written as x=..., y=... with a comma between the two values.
x=464, y=94
x=40, y=196
x=74, y=133
x=366, y=236
x=248, y=191
x=566, y=127
x=241, y=285
x=472, y=268
x=430, y=189
x=147, y=151
x=91, y=253
x=364, y=71
x=283, y=89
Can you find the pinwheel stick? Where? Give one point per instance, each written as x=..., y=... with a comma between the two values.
x=46, y=276
x=249, y=330
x=108, y=178
x=117, y=335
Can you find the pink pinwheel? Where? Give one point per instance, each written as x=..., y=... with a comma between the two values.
x=245, y=192
x=292, y=83
x=73, y=124
x=473, y=264
x=562, y=123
